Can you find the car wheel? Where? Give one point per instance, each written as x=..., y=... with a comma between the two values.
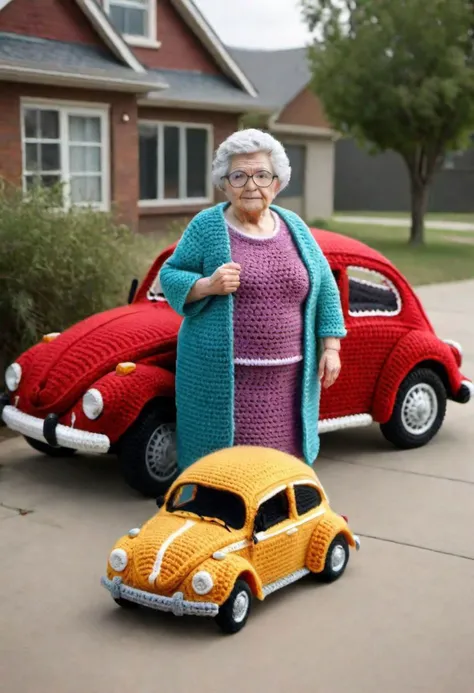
x=419, y=410
x=233, y=614
x=147, y=452
x=336, y=561
x=48, y=449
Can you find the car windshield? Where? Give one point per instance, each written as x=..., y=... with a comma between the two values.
x=210, y=504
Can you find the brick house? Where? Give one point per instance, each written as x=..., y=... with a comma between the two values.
x=296, y=117
x=123, y=101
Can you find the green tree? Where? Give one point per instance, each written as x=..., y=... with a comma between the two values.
x=397, y=75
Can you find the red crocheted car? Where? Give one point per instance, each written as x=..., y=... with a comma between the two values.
x=106, y=384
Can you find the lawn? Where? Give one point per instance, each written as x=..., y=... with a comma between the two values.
x=432, y=216
x=446, y=255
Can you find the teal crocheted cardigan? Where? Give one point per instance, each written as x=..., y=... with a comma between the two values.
x=204, y=367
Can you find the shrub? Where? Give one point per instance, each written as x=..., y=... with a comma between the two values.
x=58, y=267
x=323, y=224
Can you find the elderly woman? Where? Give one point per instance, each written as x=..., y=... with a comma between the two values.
x=258, y=298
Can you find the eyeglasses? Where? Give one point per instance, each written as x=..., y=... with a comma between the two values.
x=262, y=179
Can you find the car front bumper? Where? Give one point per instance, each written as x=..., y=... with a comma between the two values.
x=66, y=436
x=176, y=604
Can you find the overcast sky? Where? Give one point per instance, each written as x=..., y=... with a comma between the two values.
x=256, y=23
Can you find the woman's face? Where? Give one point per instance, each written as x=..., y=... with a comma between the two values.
x=251, y=199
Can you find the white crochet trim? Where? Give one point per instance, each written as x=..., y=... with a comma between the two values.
x=353, y=421
x=66, y=436
x=155, y=292
x=232, y=548
x=456, y=345
x=263, y=536
x=268, y=362
x=283, y=582
x=272, y=493
x=391, y=286
x=164, y=547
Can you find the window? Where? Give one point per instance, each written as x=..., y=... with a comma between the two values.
x=175, y=163
x=371, y=294
x=272, y=512
x=69, y=146
x=307, y=497
x=135, y=19
x=209, y=503
x=297, y=156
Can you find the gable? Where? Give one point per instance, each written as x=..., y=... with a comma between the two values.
x=49, y=19
x=180, y=48
x=305, y=109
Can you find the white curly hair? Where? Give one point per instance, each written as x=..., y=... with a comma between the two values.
x=251, y=141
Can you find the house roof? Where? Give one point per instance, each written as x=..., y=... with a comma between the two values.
x=278, y=75
x=56, y=61
x=202, y=90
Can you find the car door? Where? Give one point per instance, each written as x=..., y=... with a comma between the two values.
x=309, y=509
x=275, y=547
x=373, y=314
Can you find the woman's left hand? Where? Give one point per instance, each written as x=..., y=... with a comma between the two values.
x=329, y=367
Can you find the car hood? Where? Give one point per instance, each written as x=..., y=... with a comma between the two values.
x=66, y=367
x=169, y=547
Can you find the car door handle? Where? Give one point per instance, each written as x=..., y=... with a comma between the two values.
x=291, y=531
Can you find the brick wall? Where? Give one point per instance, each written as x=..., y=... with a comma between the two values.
x=123, y=136
x=305, y=109
x=180, y=49
x=49, y=19
x=224, y=124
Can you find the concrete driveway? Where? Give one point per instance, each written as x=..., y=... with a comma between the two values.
x=401, y=620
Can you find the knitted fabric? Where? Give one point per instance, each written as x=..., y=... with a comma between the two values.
x=164, y=556
x=268, y=306
x=205, y=369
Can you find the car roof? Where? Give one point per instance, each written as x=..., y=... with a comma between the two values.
x=249, y=471
x=333, y=244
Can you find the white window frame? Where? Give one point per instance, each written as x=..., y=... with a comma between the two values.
x=390, y=287
x=65, y=109
x=181, y=201
x=149, y=41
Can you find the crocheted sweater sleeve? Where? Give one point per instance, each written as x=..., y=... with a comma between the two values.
x=181, y=271
x=329, y=317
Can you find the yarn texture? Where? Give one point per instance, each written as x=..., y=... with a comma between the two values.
x=205, y=353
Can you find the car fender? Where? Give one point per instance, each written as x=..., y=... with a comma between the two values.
x=414, y=349
x=225, y=573
x=324, y=533
x=124, y=398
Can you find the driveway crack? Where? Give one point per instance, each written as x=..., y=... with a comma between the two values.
x=417, y=546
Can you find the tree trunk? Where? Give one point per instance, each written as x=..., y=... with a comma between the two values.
x=419, y=199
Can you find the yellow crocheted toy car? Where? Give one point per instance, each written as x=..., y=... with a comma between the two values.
x=239, y=523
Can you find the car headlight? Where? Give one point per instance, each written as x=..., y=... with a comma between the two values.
x=202, y=582
x=118, y=560
x=92, y=404
x=13, y=376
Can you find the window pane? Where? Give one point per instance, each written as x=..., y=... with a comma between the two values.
x=86, y=189
x=33, y=181
x=273, y=511
x=50, y=159
x=32, y=157
x=136, y=22
x=196, y=162
x=49, y=125
x=297, y=156
x=369, y=291
x=84, y=159
x=171, y=137
x=148, y=154
x=117, y=17
x=31, y=123
x=84, y=129
x=307, y=498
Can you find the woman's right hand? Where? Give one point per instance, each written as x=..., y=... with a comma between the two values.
x=225, y=280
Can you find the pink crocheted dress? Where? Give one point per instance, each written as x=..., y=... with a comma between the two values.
x=268, y=339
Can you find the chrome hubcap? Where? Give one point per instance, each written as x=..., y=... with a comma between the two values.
x=338, y=558
x=419, y=409
x=160, y=454
x=241, y=606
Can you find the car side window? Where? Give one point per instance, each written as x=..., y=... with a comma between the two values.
x=307, y=498
x=372, y=294
x=272, y=512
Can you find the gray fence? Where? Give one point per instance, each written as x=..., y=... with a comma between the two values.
x=380, y=183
